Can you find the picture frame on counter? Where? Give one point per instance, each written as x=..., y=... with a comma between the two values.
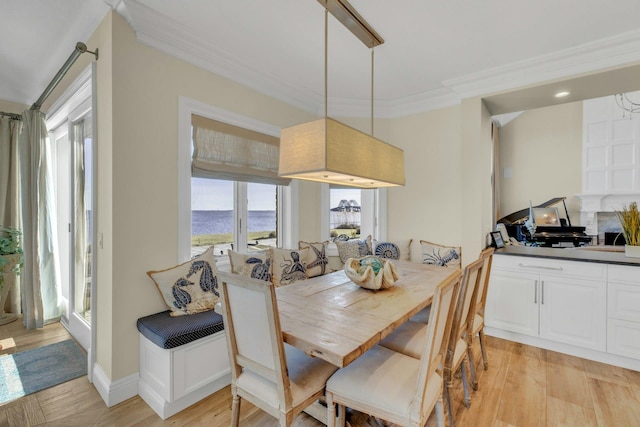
x=496, y=240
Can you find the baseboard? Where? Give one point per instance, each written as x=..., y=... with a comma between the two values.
x=585, y=353
x=114, y=392
x=166, y=409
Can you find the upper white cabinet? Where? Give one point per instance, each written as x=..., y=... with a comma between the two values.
x=562, y=301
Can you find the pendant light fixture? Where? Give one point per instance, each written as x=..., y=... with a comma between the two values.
x=326, y=150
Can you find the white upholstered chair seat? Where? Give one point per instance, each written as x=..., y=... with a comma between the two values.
x=385, y=380
x=408, y=339
x=306, y=375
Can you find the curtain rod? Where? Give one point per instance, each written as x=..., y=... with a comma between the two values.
x=11, y=115
x=77, y=51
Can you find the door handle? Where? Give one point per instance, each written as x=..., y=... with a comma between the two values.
x=535, y=293
x=542, y=292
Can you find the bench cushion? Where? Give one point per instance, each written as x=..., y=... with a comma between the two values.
x=170, y=332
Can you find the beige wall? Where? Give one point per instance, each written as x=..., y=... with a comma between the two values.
x=12, y=107
x=427, y=208
x=543, y=150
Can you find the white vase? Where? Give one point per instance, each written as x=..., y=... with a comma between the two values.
x=632, y=251
x=9, y=281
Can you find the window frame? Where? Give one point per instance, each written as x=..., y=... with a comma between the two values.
x=287, y=215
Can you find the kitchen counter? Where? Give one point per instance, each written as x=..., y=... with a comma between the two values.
x=607, y=255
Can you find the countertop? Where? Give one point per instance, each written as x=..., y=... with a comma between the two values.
x=586, y=254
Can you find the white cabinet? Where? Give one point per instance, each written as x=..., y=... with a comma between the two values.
x=623, y=299
x=558, y=300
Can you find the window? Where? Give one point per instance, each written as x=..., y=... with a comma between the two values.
x=355, y=212
x=229, y=192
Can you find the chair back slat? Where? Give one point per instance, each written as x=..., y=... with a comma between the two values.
x=254, y=336
x=481, y=301
x=438, y=333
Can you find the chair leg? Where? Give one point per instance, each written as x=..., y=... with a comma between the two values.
x=472, y=367
x=484, y=354
x=342, y=415
x=331, y=410
x=447, y=398
x=465, y=385
x=235, y=411
x=440, y=413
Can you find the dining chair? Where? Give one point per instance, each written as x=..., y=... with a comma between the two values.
x=476, y=324
x=393, y=386
x=409, y=338
x=274, y=376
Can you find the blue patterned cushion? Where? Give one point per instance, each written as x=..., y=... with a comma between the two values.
x=444, y=256
x=317, y=259
x=255, y=264
x=170, y=332
x=190, y=287
x=354, y=248
x=392, y=250
x=288, y=265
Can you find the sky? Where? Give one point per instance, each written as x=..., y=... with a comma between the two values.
x=210, y=194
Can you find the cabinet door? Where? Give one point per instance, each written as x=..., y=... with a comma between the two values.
x=573, y=311
x=512, y=303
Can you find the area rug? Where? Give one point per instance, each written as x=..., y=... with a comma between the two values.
x=34, y=370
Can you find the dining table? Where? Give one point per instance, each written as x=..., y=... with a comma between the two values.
x=332, y=318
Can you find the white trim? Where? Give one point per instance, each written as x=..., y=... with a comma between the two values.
x=560, y=347
x=114, y=392
x=78, y=92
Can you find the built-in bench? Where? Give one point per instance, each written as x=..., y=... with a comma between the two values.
x=183, y=359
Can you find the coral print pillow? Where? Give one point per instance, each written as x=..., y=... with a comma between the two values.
x=445, y=256
x=354, y=248
x=190, y=287
x=392, y=250
x=255, y=264
x=289, y=265
x=317, y=260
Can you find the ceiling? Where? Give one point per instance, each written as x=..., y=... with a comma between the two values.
x=435, y=53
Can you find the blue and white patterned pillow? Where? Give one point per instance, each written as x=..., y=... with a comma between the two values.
x=444, y=256
x=354, y=248
x=190, y=287
x=255, y=264
x=393, y=250
x=288, y=265
x=317, y=259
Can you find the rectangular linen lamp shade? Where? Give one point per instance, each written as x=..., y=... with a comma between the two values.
x=326, y=150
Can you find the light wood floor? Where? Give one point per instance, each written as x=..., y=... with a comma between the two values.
x=524, y=386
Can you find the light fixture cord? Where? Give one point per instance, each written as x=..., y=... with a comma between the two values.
x=372, y=91
x=326, y=55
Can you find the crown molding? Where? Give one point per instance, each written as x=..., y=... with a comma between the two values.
x=164, y=34
x=619, y=50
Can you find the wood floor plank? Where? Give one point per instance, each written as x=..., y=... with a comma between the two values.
x=568, y=384
x=526, y=389
x=561, y=413
x=614, y=404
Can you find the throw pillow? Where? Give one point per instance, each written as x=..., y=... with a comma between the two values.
x=392, y=250
x=254, y=264
x=190, y=287
x=354, y=248
x=289, y=265
x=317, y=260
x=446, y=256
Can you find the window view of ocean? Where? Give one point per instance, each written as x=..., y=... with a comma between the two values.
x=220, y=222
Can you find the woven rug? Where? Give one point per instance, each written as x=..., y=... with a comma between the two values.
x=34, y=370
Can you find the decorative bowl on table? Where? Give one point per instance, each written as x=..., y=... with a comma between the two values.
x=371, y=272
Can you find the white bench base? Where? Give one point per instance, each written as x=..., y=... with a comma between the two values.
x=173, y=379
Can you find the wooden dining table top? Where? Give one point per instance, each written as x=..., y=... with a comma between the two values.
x=332, y=318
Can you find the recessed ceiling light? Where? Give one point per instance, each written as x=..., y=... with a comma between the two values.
x=561, y=94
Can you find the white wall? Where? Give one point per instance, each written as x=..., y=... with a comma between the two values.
x=542, y=150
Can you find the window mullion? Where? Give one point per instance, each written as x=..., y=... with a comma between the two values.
x=240, y=216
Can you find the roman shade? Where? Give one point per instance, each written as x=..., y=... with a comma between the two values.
x=225, y=151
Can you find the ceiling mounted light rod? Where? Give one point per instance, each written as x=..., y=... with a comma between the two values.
x=350, y=18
